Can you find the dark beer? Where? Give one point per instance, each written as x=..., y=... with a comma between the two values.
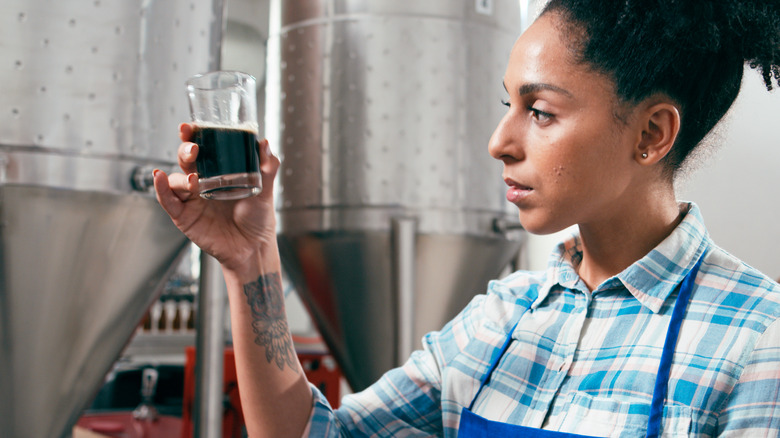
x=225, y=151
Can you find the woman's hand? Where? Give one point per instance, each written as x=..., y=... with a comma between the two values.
x=241, y=235
x=234, y=232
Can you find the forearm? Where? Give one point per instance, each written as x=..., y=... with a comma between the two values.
x=275, y=397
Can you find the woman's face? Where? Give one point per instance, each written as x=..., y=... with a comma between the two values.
x=567, y=159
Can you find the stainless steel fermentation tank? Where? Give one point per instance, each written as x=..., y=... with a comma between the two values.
x=91, y=91
x=388, y=195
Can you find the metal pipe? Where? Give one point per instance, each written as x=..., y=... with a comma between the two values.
x=210, y=325
x=404, y=239
x=209, y=353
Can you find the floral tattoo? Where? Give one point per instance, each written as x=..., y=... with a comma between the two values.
x=266, y=301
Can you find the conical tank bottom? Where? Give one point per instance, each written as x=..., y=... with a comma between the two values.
x=346, y=279
x=78, y=271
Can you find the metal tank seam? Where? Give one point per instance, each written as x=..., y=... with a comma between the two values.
x=361, y=16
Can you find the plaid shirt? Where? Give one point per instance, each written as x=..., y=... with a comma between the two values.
x=585, y=362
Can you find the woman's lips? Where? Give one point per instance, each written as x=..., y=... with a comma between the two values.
x=516, y=192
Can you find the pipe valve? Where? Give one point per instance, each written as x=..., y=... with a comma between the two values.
x=142, y=177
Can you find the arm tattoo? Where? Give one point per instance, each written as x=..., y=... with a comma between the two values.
x=266, y=301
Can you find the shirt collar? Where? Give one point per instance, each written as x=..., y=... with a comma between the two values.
x=562, y=268
x=652, y=278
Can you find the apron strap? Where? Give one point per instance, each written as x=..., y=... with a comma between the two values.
x=662, y=378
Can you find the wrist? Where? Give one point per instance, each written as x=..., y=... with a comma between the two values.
x=248, y=267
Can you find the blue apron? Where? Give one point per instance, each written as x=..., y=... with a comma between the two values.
x=474, y=426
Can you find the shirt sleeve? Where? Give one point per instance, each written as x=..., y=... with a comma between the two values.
x=406, y=401
x=753, y=409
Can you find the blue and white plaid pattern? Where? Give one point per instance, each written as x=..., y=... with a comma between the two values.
x=585, y=362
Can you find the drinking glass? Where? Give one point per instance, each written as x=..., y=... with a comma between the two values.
x=223, y=109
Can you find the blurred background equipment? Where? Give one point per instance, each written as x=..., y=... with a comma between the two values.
x=92, y=91
x=382, y=111
x=388, y=200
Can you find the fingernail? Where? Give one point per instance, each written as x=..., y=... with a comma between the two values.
x=155, y=172
x=189, y=147
x=191, y=178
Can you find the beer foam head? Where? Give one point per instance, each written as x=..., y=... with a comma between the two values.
x=252, y=127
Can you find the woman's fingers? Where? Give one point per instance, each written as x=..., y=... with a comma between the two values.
x=188, y=151
x=185, y=132
x=171, y=203
x=175, y=189
x=185, y=187
x=187, y=154
x=269, y=165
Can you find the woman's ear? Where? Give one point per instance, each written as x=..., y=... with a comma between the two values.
x=660, y=127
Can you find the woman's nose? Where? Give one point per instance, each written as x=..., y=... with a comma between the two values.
x=505, y=143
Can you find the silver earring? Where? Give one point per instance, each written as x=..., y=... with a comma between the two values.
x=644, y=154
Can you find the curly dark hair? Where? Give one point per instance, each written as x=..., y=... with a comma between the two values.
x=692, y=51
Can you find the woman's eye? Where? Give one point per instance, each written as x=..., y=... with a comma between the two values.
x=505, y=103
x=540, y=115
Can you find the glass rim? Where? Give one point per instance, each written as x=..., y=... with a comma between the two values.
x=193, y=81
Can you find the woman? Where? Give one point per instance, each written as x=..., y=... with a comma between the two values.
x=640, y=326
